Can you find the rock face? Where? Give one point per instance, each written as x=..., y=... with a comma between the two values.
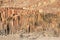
x=30, y=16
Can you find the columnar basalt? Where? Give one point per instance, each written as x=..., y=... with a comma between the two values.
x=13, y=20
x=16, y=19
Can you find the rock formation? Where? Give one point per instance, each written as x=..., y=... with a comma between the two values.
x=30, y=16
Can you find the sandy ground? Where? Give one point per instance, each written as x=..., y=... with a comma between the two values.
x=17, y=37
x=27, y=36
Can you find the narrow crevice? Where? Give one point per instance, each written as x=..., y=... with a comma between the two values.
x=8, y=29
x=29, y=28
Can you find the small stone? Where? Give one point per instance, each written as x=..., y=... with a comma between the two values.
x=39, y=4
x=45, y=3
x=41, y=10
x=52, y=1
x=25, y=8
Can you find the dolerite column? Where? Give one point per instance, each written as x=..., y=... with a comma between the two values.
x=1, y=22
x=4, y=21
x=16, y=19
x=9, y=21
x=14, y=22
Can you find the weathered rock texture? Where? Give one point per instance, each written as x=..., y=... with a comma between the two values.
x=30, y=16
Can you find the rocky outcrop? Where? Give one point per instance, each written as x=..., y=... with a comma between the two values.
x=13, y=20
x=29, y=16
